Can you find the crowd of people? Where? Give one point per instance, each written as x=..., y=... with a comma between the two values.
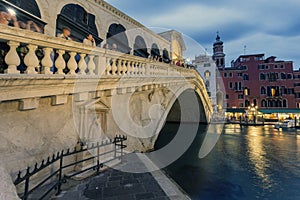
x=10, y=19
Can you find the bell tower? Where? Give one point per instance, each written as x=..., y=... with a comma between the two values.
x=219, y=56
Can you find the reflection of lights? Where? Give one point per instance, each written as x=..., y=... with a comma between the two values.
x=11, y=11
x=257, y=155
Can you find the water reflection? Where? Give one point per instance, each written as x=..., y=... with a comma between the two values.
x=246, y=163
x=213, y=134
x=257, y=155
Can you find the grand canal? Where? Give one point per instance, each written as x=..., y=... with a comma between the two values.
x=246, y=163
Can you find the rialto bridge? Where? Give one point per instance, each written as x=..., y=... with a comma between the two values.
x=45, y=108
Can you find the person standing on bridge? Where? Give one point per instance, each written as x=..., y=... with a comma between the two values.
x=89, y=40
x=66, y=33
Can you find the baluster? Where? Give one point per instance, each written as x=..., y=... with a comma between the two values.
x=60, y=62
x=133, y=68
x=114, y=66
x=47, y=61
x=12, y=58
x=141, y=69
x=31, y=60
x=125, y=64
x=138, y=69
x=144, y=69
x=82, y=64
x=120, y=67
x=108, y=68
x=91, y=65
x=72, y=64
x=129, y=67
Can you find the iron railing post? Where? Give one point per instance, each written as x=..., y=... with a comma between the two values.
x=60, y=173
x=98, y=157
x=122, y=150
x=25, y=197
x=115, y=152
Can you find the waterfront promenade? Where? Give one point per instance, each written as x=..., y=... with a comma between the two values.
x=113, y=184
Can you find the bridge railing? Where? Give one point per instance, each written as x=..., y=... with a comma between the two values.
x=26, y=52
x=60, y=174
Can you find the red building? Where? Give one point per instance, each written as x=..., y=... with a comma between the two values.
x=267, y=84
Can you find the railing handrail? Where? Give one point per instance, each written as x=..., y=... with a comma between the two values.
x=22, y=36
x=119, y=146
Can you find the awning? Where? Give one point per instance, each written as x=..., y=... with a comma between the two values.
x=235, y=110
x=279, y=111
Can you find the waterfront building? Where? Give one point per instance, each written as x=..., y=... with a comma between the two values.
x=269, y=86
x=206, y=67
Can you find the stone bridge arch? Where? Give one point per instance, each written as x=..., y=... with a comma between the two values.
x=143, y=114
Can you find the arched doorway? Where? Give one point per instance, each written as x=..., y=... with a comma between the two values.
x=79, y=21
x=166, y=57
x=117, y=35
x=155, y=50
x=25, y=11
x=140, y=47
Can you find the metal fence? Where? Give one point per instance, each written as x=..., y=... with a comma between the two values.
x=56, y=178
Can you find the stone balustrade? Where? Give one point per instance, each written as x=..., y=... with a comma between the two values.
x=65, y=57
x=49, y=66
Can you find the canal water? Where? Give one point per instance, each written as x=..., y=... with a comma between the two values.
x=246, y=163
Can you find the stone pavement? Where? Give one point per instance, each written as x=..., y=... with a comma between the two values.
x=113, y=184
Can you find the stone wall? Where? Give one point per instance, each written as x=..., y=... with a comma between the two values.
x=31, y=136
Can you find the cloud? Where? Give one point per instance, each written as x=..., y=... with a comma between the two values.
x=264, y=26
x=193, y=17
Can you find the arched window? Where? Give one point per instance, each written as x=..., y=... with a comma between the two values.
x=284, y=104
x=222, y=62
x=25, y=11
x=207, y=75
x=270, y=104
x=79, y=21
x=255, y=102
x=29, y=6
x=283, y=76
x=155, y=50
x=140, y=47
x=117, y=35
x=263, y=90
x=264, y=103
x=279, y=104
x=262, y=76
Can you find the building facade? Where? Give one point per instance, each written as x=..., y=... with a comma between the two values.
x=268, y=85
x=265, y=83
x=206, y=67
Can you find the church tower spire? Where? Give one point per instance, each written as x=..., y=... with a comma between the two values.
x=219, y=55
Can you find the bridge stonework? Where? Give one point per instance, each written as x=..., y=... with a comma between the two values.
x=105, y=93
